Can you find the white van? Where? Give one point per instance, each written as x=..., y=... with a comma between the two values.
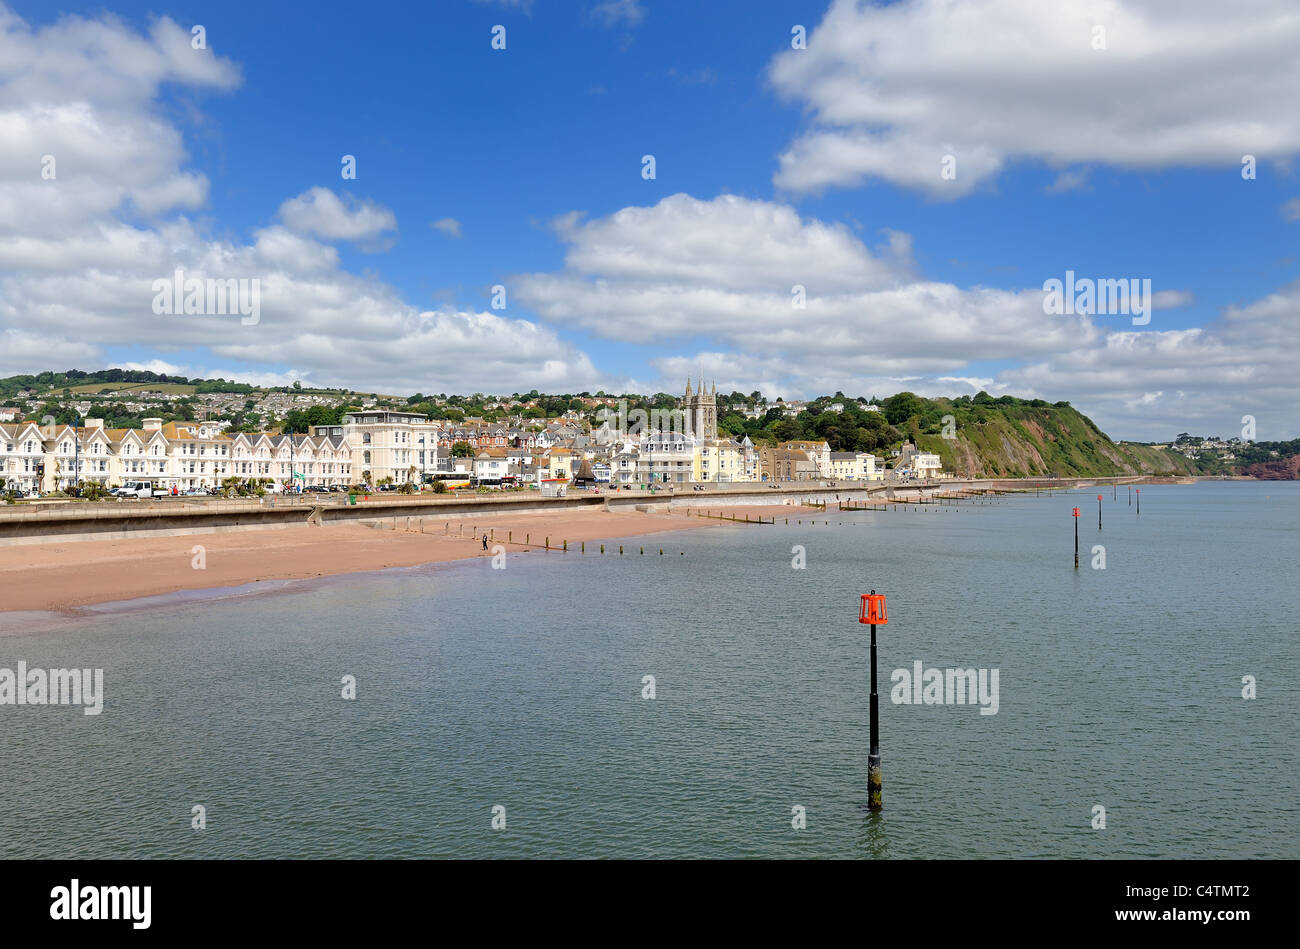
x=140, y=489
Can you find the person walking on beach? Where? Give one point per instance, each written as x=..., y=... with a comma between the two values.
x=485, y=541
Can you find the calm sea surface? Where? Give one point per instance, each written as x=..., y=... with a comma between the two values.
x=523, y=688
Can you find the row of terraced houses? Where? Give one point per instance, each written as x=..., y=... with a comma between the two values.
x=185, y=455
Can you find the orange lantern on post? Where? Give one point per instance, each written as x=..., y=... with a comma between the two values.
x=873, y=614
x=873, y=609
x=1076, y=538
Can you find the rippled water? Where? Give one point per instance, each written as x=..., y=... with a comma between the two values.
x=522, y=688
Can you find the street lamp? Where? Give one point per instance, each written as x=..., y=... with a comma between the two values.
x=76, y=448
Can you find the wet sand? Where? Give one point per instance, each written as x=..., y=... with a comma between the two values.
x=61, y=575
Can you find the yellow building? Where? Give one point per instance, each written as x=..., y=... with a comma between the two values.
x=720, y=461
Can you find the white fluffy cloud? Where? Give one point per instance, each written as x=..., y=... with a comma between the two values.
x=1157, y=384
x=891, y=89
x=321, y=212
x=78, y=261
x=730, y=269
x=447, y=225
x=716, y=276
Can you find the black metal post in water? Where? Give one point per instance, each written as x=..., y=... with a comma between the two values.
x=1139, y=510
x=1099, y=512
x=873, y=756
x=1076, y=538
x=1130, y=495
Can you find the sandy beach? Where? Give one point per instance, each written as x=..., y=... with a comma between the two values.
x=62, y=575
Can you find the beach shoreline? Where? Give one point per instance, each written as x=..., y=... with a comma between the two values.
x=59, y=577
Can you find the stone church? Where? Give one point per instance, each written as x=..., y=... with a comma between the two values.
x=700, y=410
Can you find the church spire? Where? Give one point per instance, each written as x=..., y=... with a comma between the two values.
x=688, y=387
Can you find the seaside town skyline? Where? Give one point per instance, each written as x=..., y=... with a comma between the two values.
x=775, y=211
x=295, y=438
x=611, y=444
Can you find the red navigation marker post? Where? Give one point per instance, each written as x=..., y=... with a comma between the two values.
x=1099, y=512
x=873, y=614
x=1139, y=493
x=1076, y=538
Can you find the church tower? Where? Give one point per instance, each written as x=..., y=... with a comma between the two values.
x=701, y=411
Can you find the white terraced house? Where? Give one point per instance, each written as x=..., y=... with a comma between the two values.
x=22, y=455
x=666, y=456
x=188, y=456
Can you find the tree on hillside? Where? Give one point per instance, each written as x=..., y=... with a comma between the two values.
x=899, y=408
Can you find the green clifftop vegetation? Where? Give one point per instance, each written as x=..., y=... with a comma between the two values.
x=1017, y=438
x=975, y=436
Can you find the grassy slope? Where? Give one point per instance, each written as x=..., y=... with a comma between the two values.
x=1025, y=441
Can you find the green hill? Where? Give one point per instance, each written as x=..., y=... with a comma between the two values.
x=1020, y=439
x=975, y=436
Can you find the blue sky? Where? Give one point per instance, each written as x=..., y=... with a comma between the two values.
x=1106, y=162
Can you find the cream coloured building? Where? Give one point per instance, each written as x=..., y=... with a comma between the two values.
x=188, y=456
x=853, y=466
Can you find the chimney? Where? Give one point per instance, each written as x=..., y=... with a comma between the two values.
x=152, y=424
x=90, y=423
